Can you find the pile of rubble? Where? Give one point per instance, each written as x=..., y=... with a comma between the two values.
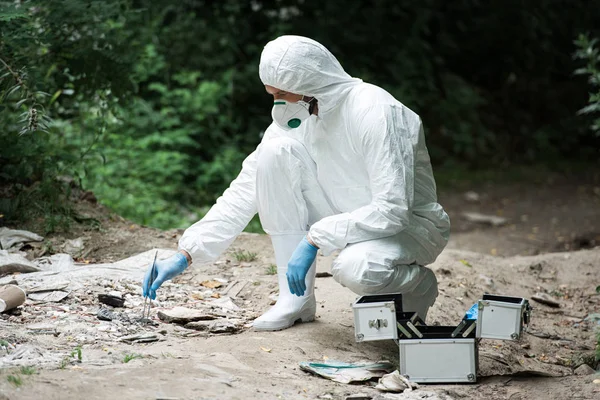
x=66, y=305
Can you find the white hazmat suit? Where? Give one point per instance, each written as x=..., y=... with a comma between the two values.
x=357, y=177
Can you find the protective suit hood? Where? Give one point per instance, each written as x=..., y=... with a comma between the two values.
x=301, y=65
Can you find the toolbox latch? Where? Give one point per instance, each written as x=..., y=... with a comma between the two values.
x=378, y=323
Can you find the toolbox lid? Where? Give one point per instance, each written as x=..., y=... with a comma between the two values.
x=504, y=299
x=365, y=301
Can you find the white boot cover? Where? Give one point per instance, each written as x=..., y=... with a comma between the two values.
x=289, y=307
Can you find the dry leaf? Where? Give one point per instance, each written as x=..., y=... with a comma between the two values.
x=215, y=295
x=212, y=284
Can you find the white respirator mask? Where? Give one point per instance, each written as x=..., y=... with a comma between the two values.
x=290, y=115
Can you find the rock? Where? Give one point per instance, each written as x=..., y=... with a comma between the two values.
x=584, y=369
x=34, y=287
x=104, y=314
x=471, y=196
x=13, y=237
x=183, y=315
x=478, y=218
x=226, y=304
x=544, y=298
x=198, y=325
x=74, y=247
x=141, y=338
x=234, y=288
x=56, y=262
x=274, y=297
x=49, y=297
x=42, y=328
x=359, y=396
x=111, y=300
x=223, y=326
x=11, y=263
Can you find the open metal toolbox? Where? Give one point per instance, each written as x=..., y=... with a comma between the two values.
x=439, y=354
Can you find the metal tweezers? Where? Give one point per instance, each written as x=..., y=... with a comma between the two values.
x=146, y=314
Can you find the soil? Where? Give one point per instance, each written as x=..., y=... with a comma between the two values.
x=549, y=244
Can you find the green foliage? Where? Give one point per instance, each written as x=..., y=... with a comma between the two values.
x=588, y=50
x=154, y=105
x=77, y=352
x=132, y=356
x=15, y=380
x=76, y=50
x=244, y=256
x=27, y=370
x=271, y=269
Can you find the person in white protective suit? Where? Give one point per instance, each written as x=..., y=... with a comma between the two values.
x=344, y=166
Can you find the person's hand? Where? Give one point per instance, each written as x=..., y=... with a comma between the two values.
x=164, y=270
x=298, y=266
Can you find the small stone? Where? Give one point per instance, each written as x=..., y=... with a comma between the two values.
x=104, y=314
x=48, y=297
x=359, y=396
x=544, y=298
x=111, y=300
x=198, y=325
x=140, y=338
x=183, y=315
x=486, y=280
x=584, y=369
x=492, y=220
x=223, y=326
x=471, y=196
x=41, y=328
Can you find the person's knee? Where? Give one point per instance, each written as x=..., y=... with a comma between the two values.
x=362, y=274
x=276, y=152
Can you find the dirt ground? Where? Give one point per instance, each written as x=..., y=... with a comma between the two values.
x=548, y=244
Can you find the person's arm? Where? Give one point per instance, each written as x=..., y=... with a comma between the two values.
x=387, y=135
x=205, y=240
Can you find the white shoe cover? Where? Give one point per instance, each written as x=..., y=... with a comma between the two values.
x=289, y=307
x=423, y=296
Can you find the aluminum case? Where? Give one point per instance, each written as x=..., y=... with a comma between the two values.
x=375, y=317
x=502, y=317
x=437, y=357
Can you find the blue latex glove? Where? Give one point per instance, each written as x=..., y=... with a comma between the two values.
x=164, y=270
x=472, y=313
x=298, y=266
